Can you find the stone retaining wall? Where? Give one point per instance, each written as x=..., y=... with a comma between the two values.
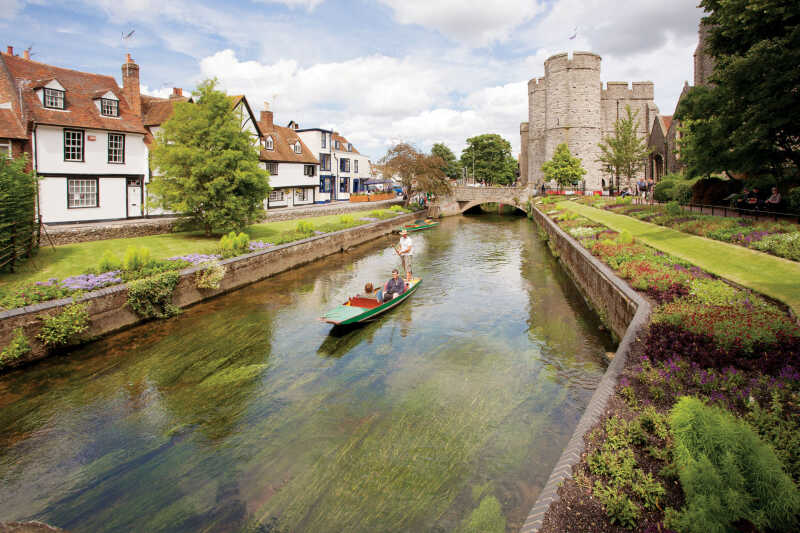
x=625, y=312
x=74, y=233
x=108, y=312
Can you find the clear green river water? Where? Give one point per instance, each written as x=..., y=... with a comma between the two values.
x=245, y=413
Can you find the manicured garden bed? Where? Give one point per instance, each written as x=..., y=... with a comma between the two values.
x=780, y=238
x=703, y=432
x=65, y=270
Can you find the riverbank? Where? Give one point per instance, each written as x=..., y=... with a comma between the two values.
x=109, y=309
x=61, y=234
x=711, y=352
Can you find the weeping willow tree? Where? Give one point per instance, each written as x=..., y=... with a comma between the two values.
x=19, y=229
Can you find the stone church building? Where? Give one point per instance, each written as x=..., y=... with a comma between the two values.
x=570, y=105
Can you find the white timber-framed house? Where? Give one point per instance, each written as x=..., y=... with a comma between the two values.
x=293, y=168
x=86, y=141
x=343, y=170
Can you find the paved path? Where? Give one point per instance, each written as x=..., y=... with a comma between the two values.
x=773, y=276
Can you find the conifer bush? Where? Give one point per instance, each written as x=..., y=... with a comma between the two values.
x=727, y=473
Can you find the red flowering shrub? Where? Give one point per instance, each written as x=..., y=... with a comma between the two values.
x=735, y=328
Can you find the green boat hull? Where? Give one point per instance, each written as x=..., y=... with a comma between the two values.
x=416, y=227
x=345, y=315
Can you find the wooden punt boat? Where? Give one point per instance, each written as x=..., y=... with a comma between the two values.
x=357, y=310
x=417, y=225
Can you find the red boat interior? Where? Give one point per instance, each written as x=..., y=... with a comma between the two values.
x=366, y=303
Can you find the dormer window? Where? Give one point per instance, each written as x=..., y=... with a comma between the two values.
x=338, y=145
x=269, y=144
x=53, y=98
x=109, y=108
x=298, y=148
x=349, y=147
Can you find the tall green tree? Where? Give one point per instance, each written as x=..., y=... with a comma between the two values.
x=564, y=168
x=19, y=229
x=625, y=154
x=208, y=168
x=452, y=167
x=488, y=157
x=418, y=172
x=745, y=121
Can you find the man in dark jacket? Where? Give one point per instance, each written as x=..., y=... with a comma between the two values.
x=394, y=287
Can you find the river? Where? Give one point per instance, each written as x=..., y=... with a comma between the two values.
x=245, y=413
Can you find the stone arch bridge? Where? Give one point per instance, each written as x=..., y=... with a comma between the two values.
x=464, y=198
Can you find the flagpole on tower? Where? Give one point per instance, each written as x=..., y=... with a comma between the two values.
x=572, y=41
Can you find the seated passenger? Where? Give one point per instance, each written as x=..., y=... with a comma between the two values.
x=372, y=292
x=394, y=287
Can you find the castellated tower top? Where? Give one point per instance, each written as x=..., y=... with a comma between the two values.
x=580, y=60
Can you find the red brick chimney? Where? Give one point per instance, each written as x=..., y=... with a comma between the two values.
x=26, y=54
x=10, y=50
x=130, y=85
x=266, y=117
x=177, y=92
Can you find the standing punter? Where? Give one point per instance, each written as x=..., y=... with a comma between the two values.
x=406, y=253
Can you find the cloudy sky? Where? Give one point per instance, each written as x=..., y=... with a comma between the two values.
x=378, y=71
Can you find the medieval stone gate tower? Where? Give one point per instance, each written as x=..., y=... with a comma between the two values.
x=569, y=105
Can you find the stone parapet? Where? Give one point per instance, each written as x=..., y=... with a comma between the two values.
x=107, y=307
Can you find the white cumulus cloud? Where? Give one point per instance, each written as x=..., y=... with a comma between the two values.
x=473, y=22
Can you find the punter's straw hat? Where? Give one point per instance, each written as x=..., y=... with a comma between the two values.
x=403, y=232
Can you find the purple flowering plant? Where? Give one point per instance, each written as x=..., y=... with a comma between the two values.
x=259, y=245
x=196, y=259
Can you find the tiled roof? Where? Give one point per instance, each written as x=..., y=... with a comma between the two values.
x=81, y=110
x=11, y=126
x=282, y=140
x=667, y=120
x=156, y=111
x=343, y=143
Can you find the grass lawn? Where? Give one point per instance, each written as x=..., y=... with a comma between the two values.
x=773, y=276
x=73, y=259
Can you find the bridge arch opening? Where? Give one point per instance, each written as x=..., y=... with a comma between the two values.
x=474, y=208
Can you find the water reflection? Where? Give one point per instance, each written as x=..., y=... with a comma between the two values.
x=246, y=412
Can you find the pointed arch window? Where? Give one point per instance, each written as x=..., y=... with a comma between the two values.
x=268, y=144
x=298, y=148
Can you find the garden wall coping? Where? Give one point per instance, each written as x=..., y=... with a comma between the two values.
x=579, y=262
x=107, y=307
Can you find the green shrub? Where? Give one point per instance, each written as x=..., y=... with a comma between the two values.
x=304, y=227
x=673, y=209
x=136, y=258
x=234, y=244
x=625, y=237
x=397, y=209
x=109, y=262
x=18, y=347
x=682, y=193
x=62, y=328
x=727, y=473
x=211, y=276
x=152, y=297
x=346, y=220
x=662, y=191
x=619, y=507
x=780, y=431
x=793, y=199
x=31, y=293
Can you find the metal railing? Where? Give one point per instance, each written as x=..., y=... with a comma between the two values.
x=727, y=211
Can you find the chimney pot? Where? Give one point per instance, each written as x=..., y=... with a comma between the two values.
x=26, y=54
x=177, y=91
x=128, y=58
x=266, y=105
x=10, y=50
